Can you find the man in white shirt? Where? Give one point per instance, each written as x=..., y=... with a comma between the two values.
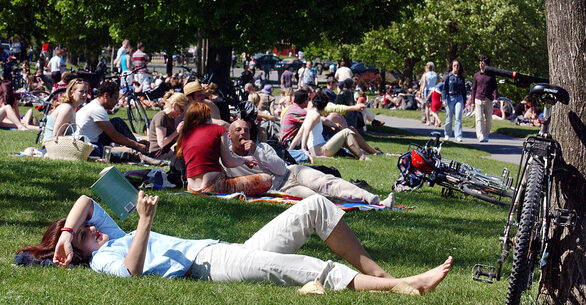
x=93, y=122
x=57, y=62
x=296, y=180
x=343, y=73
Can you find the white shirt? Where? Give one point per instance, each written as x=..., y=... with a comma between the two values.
x=55, y=64
x=343, y=73
x=87, y=117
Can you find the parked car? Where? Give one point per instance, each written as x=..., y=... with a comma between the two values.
x=359, y=68
x=264, y=61
x=291, y=62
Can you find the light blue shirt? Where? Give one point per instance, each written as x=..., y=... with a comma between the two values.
x=166, y=256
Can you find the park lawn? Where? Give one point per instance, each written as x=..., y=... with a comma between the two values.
x=498, y=126
x=35, y=192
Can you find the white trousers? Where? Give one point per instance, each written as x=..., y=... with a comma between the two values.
x=304, y=181
x=267, y=255
x=483, y=109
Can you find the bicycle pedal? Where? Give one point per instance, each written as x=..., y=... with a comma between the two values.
x=484, y=273
x=565, y=218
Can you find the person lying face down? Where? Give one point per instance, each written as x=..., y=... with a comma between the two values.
x=297, y=180
x=89, y=235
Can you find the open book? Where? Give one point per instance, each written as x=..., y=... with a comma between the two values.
x=116, y=192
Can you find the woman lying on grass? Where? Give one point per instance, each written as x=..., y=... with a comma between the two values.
x=89, y=235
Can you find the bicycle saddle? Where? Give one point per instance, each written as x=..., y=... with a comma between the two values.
x=550, y=94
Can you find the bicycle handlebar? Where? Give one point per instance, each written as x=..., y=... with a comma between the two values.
x=519, y=79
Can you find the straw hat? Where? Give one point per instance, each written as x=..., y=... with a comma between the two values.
x=194, y=87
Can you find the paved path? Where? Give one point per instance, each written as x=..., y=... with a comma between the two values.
x=501, y=147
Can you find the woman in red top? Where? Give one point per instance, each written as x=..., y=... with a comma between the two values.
x=202, y=145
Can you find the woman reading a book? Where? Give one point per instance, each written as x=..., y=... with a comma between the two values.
x=89, y=235
x=202, y=145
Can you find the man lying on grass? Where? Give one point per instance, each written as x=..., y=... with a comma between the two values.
x=90, y=236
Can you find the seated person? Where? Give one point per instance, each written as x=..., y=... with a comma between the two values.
x=93, y=122
x=285, y=100
x=90, y=236
x=9, y=115
x=64, y=111
x=312, y=140
x=292, y=117
x=263, y=115
x=202, y=144
x=297, y=180
x=163, y=130
x=196, y=93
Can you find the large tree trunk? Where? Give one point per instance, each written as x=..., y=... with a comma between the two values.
x=408, y=66
x=564, y=276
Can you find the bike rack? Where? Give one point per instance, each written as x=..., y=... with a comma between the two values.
x=484, y=273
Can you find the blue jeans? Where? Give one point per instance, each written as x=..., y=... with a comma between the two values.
x=454, y=106
x=104, y=139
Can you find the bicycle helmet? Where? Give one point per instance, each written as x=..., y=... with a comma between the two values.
x=421, y=162
x=413, y=177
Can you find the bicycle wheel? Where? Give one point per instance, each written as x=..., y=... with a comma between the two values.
x=137, y=117
x=527, y=237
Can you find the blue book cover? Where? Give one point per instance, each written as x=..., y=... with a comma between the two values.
x=114, y=190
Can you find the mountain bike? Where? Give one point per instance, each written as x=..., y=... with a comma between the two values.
x=530, y=210
x=45, y=108
x=425, y=164
x=137, y=116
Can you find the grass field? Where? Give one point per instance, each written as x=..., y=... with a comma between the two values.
x=35, y=192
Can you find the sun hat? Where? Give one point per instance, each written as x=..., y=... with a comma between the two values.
x=268, y=89
x=193, y=87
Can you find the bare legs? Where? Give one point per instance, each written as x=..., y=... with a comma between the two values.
x=8, y=118
x=423, y=282
x=344, y=243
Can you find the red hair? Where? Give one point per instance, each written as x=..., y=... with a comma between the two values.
x=46, y=248
x=196, y=114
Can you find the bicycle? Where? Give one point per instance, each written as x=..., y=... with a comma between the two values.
x=530, y=207
x=137, y=116
x=45, y=108
x=425, y=164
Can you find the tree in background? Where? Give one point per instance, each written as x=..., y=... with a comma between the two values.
x=564, y=277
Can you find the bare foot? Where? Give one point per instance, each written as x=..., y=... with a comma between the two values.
x=364, y=158
x=427, y=281
x=389, y=202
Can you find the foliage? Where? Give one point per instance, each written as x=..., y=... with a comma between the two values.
x=512, y=33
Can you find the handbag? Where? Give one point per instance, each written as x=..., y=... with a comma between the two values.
x=67, y=147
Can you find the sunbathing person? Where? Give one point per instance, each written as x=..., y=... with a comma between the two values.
x=163, y=130
x=9, y=116
x=297, y=180
x=312, y=140
x=203, y=144
x=65, y=108
x=89, y=235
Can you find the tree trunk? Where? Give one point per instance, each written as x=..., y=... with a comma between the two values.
x=218, y=60
x=564, y=276
x=408, y=72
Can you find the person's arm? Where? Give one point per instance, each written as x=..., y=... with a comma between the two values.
x=310, y=121
x=229, y=160
x=267, y=157
x=422, y=85
x=81, y=211
x=146, y=207
x=445, y=89
x=297, y=139
x=264, y=116
x=119, y=138
x=473, y=92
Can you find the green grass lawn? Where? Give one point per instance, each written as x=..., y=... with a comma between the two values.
x=35, y=192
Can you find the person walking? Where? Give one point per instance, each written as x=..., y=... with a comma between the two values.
x=428, y=82
x=454, y=94
x=484, y=92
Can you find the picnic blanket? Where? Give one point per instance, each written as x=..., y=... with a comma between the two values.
x=279, y=197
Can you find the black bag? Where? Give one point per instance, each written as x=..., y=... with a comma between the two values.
x=281, y=151
x=177, y=173
x=327, y=170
